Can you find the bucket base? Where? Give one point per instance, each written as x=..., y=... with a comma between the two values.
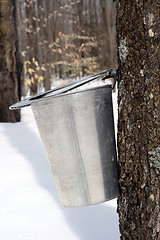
x=89, y=203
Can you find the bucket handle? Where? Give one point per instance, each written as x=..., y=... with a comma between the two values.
x=111, y=73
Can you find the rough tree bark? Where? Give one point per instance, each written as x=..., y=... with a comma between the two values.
x=138, y=36
x=10, y=65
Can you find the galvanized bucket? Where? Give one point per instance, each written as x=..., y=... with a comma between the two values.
x=77, y=130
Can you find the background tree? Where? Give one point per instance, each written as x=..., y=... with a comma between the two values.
x=138, y=38
x=10, y=67
x=65, y=39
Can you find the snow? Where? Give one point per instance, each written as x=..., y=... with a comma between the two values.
x=30, y=208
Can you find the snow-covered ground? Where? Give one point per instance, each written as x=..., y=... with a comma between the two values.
x=30, y=208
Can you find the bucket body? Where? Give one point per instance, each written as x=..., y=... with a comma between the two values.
x=77, y=130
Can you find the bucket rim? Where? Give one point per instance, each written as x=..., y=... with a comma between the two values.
x=71, y=92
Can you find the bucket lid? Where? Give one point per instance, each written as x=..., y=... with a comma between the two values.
x=111, y=73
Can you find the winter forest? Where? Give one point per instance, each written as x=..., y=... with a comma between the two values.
x=64, y=39
x=45, y=44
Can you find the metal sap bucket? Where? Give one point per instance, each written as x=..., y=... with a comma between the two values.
x=77, y=130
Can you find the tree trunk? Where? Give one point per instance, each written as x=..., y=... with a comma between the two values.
x=10, y=65
x=138, y=38
x=107, y=19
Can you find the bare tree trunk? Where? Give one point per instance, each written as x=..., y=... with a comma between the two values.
x=138, y=38
x=106, y=15
x=46, y=39
x=31, y=40
x=19, y=64
x=10, y=66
